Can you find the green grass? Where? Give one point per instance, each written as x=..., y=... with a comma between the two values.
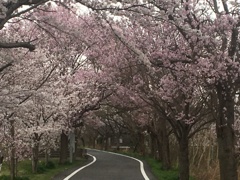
x=156, y=167
x=161, y=174
x=44, y=172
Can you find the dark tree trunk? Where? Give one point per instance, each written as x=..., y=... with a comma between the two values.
x=83, y=142
x=71, y=145
x=135, y=147
x=153, y=145
x=13, y=164
x=225, y=134
x=105, y=143
x=35, y=158
x=63, y=149
x=159, y=150
x=141, y=139
x=13, y=167
x=165, y=146
x=83, y=154
x=135, y=142
x=94, y=143
x=118, y=143
x=183, y=155
x=46, y=157
x=165, y=155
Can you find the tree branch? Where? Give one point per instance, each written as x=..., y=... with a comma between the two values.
x=114, y=8
x=215, y=6
x=40, y=85
x=225, y=6
x=26, y=10
x=6, y=66
x=27, y=45
x=12, y=7
x=144, y=59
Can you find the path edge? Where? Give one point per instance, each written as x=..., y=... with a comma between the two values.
x=81, y=168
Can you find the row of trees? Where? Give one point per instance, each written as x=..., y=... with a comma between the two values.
x=42, y=95
x=169, y=67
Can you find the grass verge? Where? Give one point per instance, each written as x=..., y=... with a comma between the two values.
x=45, y=172
x=156, y=167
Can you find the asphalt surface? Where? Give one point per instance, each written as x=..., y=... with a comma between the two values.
x=109, y=167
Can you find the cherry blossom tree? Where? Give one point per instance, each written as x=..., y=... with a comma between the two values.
x=173, y=56
x=204, y=35
x=21, y=88
x=169, y=93
x=62, y=45
x=10, y=9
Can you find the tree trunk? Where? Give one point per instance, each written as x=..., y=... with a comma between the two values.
x=13, y=153
x=165, y=146
x=183, y=157
x=159, y=150
x=76, y=152
x=63, y=149
x=106, y=143
x=118, y=142
x=141, y=139
x=71, y=145
x=13, y=164
x=35, y=157
x=153, y=145
x=166, y=164
x=46, y=156
x=225, y=134
x=94, y=143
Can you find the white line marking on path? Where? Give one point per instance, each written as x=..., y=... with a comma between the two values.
x=75, y=172
x=141, y=163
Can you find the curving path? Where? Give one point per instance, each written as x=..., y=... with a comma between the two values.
x=111, y=166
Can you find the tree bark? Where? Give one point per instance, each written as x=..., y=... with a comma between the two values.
x=46, y=156
x=71, y=145
x=63, y=148
x=166, y=164
x=153, y=145
x=183, y=157
x=94, y=142
x=13, y=153
x=159, y=149
x=105, y=143
x=141, y=139
x=35, y=158
x=13, y=164
x=225, y=133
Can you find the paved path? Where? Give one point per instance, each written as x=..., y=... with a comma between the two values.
x=109, y=166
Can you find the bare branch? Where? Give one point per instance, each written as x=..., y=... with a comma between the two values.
x=233, y=43
x=6, y=66
x=225, y=6
x=40, y=85
x=27, y=45
x=26, y=10
x=133, y=48
x=12, y=7
x=215, y=6
x=129, y=8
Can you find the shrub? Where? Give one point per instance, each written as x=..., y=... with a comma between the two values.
x=50, y=165
x=41, y=168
